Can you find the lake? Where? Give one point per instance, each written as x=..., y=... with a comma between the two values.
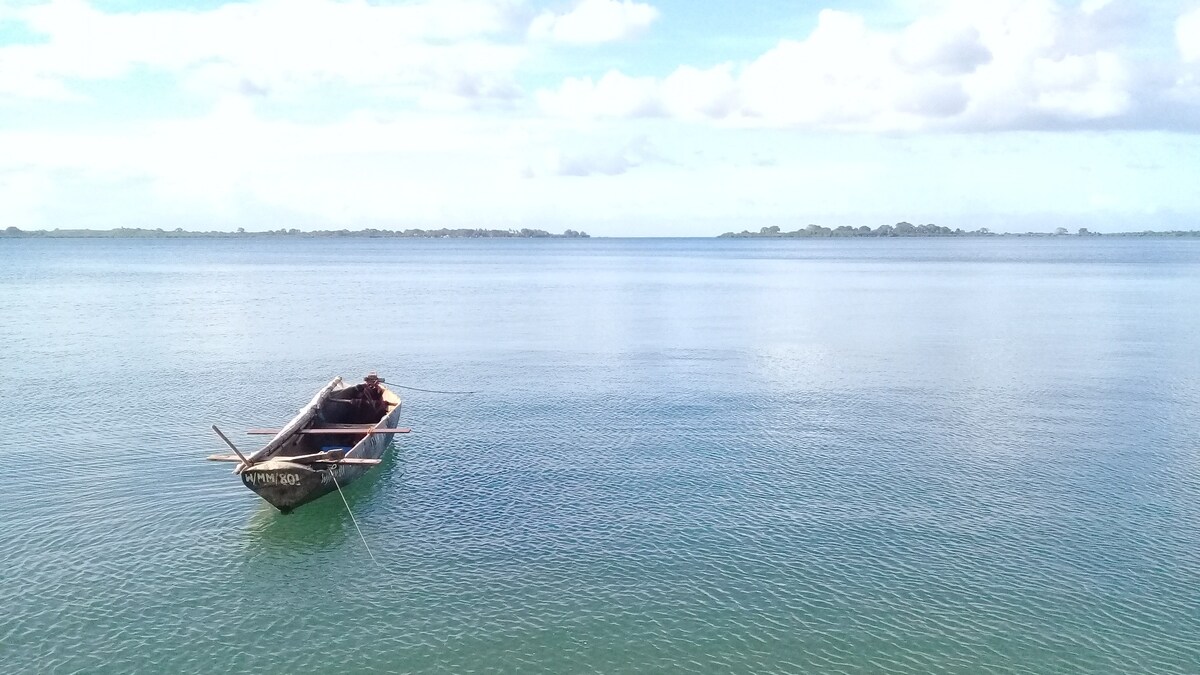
x=684, y=455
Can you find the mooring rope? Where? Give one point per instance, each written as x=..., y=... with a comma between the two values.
x=431, y=391
x=352, y=519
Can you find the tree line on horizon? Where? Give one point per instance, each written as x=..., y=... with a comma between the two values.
x=904, y=229
x=901, y=229
x=443, y=233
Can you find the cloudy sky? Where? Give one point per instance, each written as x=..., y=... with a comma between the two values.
x=619, y=117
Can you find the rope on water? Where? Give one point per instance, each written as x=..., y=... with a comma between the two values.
x=431, y=391
x=352, y=519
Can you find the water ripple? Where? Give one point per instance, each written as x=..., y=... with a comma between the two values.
x=682, y=462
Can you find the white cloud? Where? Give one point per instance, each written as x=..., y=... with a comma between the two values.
x=359, y=169
x=1093, y=6
x=944, y=45
x=605, y=160
x=595, y=21
x=19, y=80
x=606, y=164
x=614, y=95
x=1092, y=86
x=692, y=93
x=24, y=195
x=1187, y=36
x=271, y=45
x=841, y=75
x=1186, y=89
x=999, y=65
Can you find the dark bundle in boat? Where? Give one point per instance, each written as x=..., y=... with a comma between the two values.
x=335, y=439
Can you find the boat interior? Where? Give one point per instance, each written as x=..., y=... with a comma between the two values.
x=337, y=411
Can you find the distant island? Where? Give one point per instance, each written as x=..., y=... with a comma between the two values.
x=910, y=230
x=180, y=233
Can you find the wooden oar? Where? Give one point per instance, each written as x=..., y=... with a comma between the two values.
x=361, y=430
x=231, y=446
x=329, y=456
x=303, y=459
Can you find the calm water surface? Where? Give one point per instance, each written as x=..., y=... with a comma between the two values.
x=917, y=456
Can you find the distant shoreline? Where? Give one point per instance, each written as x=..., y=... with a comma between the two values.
x=900, y=230
x=909, y=230
x=180, y=233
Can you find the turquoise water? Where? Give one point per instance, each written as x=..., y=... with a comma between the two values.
x=916, y=456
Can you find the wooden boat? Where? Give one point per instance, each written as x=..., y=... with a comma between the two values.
x=327, y=445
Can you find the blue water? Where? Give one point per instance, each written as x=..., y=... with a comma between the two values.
x=862, y=456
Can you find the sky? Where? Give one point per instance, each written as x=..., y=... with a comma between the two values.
x=616, y=117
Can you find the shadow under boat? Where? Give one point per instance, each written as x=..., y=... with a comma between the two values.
x=326, y=524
